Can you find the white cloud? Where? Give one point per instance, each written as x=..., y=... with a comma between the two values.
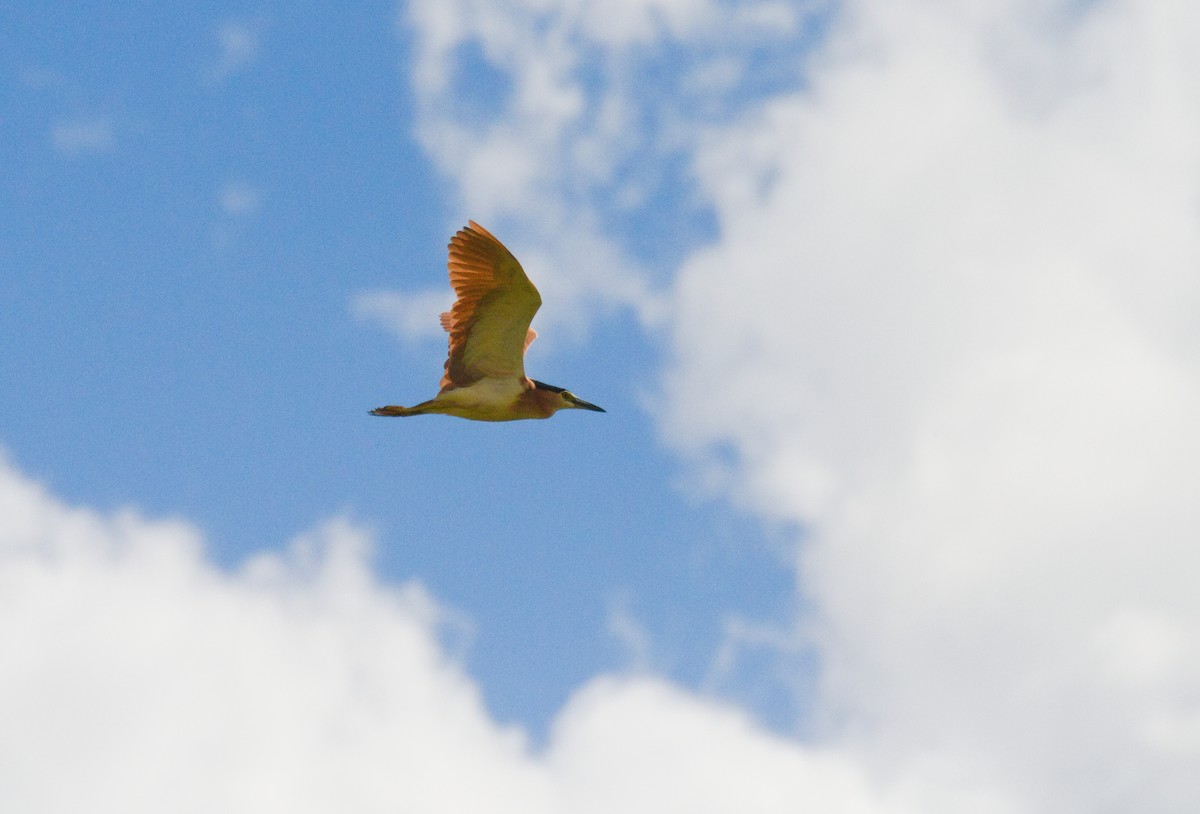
x=561, y=129
x=83, y=136
x=949, y=326
x=642, y=746
x=138, y=677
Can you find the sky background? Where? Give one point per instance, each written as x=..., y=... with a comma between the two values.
x=892, y=308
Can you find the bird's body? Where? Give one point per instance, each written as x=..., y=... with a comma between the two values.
x=489, y=333
x=484, y=400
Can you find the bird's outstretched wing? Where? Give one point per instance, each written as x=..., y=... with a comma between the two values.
x=489, y=323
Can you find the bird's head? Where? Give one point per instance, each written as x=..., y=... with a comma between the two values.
x=558, y=398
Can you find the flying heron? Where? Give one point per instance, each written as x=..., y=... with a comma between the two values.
x=489, y=333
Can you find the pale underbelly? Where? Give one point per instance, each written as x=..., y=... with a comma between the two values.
x=488, y=400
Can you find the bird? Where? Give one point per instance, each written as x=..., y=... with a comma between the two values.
x=489, y=328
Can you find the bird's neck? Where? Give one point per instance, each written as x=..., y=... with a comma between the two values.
x=540, y=403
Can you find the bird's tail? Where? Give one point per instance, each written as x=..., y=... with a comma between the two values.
x=396, y=409
x=424, y=408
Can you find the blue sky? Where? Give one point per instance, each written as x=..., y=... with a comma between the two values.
x=197, y=357
x=892, y=308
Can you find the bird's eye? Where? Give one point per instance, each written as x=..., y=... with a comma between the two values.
x=568, y=395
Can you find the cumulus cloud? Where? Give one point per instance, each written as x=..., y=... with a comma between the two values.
x=642, y=746
x=949, y=312
x=139, y=677
x=946, y=324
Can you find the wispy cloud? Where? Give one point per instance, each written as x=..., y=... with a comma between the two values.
x=240, y=198
x=238, y=45
x=410, y=316
x=538, y=151
x=630, y=634
x=84, y=136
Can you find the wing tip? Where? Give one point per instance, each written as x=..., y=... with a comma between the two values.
x=473, y=226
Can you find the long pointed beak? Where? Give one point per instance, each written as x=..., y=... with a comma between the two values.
x=587, y=405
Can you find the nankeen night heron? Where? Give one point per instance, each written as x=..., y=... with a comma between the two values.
x=489, y=333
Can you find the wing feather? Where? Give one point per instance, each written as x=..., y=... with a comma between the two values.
x=489, y=323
